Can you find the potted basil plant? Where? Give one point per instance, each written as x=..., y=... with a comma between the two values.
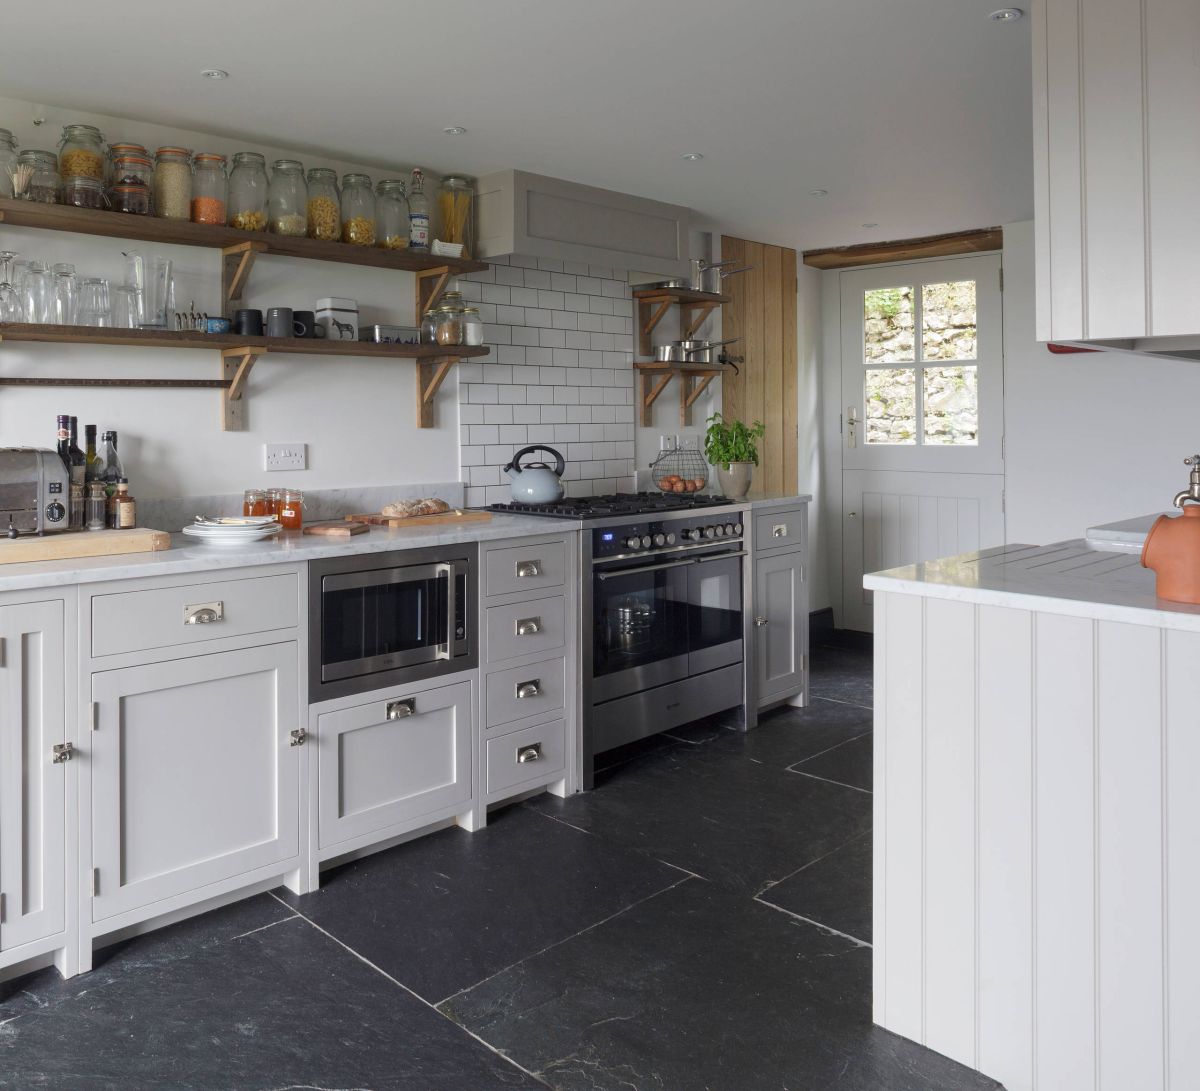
x=730, y=446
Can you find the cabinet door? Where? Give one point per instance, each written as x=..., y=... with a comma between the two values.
x=32, y=815
x=780, y=623
x=194, y=776
x=393, y=762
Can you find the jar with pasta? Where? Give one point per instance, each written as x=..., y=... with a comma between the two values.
x=81, y=152
x=287, y=198
x=209, y=189
x=324, y=205
x=173, y=183
x=456, y=207
x=391, y=214
x=358, y=210
x=248, y=192
x=8, y=162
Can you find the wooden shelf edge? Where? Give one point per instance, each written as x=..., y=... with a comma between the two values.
x=679, y=369
x=683, y=296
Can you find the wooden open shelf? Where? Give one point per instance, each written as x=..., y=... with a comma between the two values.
x=653, y=304
x=693, y=381
x=238, y=356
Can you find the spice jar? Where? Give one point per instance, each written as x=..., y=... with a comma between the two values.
x=391, y=214
x=472, y=326
x=449, y=329
x=287, y=198
x=134, y=198
x=254, y=502
x=209, y=189
x=324, y=205
x=37, y=176
x=81, y=152
x=120, y=151
x=173, y=183
x=84, y=193
x=456, y=205
x=291, y=509
x=8, y=162
x=358, y=210
x=248, y=192
x=429, y=324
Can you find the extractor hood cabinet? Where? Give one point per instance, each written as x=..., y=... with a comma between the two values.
x=529, y=214
x=1117, y=163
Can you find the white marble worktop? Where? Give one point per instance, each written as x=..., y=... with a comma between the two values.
x=770, y=500
x=1125, y=536
x=290, y=547
x=1072, y=577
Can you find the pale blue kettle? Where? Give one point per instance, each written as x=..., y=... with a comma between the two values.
x=536, y=482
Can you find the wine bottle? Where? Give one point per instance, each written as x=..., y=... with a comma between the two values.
x=64, y=441
x=95, y=466
x=113, y=471
x=78, y=471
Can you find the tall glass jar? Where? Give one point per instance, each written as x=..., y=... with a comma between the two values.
x=173, y=183
x=287, y=198
x=449, y=329
x=209, y=189
x=472, y=326
x=40, y=181
x=248, y=192
x=8, y=162
x=81, y=152
x=324, y=205
x=456, y=210
x=391, y=214
x=429, y=325
x=358, y=210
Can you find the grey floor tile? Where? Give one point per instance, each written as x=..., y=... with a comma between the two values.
x=834, y=891
x=841, y=674
x=787, y=735
x=849, y=763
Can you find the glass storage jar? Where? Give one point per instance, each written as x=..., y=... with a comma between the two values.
x=358, y=210
x=449, y=330
x=8, y=162
x=248, y=192
x=81, y=152
x=131, y=170
x=429, y=324
x=173, y=183
x=40, y=181
x=391, y=214
x=209, y=189
x=287, y=198
x=472, y=326
x=291, y=509
x=84, y=193
x=324, y=205
x=119, y=151
x=456, y=208
x=134, y=198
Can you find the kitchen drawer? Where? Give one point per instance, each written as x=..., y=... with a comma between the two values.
x=134, y=621
x=545, y=622
x=525, y=568
x=531, y=754
x=505, y=702
x=780, y=529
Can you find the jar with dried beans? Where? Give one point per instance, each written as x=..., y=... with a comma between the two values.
x=287, y=198
x=173, y=183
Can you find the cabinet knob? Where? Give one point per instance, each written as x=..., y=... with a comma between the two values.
x=62, y=752
x=526, y=569
x=203, y=613
x=298, y=737
x=398, y=710
x=529, y=626
x=760, y=621
x=529, y=753
x=532, y=688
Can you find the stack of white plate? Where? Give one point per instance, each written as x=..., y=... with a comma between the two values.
x=232, y=530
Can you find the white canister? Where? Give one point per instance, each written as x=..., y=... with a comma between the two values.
x=339, y=318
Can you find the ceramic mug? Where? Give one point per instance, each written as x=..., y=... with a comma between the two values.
x=280, y=323
x=248, y=323
x=306, y=323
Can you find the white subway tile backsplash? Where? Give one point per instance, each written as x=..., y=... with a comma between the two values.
x=561, y=282
x=551, y=265
x=578, y=376
x=470, y=373
x=556, y=414
x=578, y=452
x=614, y=288
x=468, y=413
x=565, y=320
x=566, y=395
x=539, y=355
x=592, y=433
x=551, y=300
x=539, y=395
x=510, y=316
x=592, y=395
x=469, y=455
x=537, y=278
x=535, y=316
x=496, y=335
x=514, y=433
x=524, y=297
x=603, y=341
x=524, y=335
x=525, y=373
x=485, y=434
x=497, y=414
x=506, y=275
x=522, y=262
x=588, y=285
x=484, y=475
x=577, y=340
x=472, y=290
x=506, y=356
x=591, y=322
x=578, y=414
x=475, y=496
x=554, y=339
x=575, y=267
x=601, y=306
x=487, y=311
x=603, y=272
x=615, y=395
x=526, y=414
x=498, y=494
x=567, y=433
x=513, y=395
x=496, y=293
x=566, y=357
x=498, y=454
x=482, y=392
x=553, y=376
x=618, y=467
x=612, y=324
x=575, y=302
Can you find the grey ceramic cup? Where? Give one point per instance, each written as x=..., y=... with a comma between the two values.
x=280, y=322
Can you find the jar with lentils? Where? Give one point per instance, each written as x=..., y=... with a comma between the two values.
x=173, y=183
x=358, y=210
x=391, y=214
x=209, y=189
x=248, y=192
x=287, y=198
x=81, y=152
x=324, y=205
x=40, y=182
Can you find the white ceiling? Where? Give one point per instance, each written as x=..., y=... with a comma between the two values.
x=913, y=114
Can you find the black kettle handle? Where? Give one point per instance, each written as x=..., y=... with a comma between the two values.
x=560, y=464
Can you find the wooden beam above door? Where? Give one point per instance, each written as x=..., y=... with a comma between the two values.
x=931, y=246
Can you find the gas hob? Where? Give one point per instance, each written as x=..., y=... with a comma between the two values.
x=617, y=504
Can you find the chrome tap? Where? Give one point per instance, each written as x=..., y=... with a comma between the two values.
x=1192, y=492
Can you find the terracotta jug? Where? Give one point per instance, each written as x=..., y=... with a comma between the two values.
x=1172, y=548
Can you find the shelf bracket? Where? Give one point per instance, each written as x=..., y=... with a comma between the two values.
x=652, y=387
x=692, y=317
x=431, y=283
x=236, y=263
x=430, y=376
x=649, y=316
x=236, y=365
x=690, y=389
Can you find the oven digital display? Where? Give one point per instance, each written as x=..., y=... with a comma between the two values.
x=607, y=536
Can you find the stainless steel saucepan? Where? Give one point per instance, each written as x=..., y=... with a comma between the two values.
x=707, y=275
x=689, y=352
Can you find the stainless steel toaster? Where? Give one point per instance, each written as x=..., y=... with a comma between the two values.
x=35, y=491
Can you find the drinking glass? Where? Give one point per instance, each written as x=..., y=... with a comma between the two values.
x=152, y=278
x=66, y=294
x=11, y=309
x=126, y=307
x=37, y=292
x=94, y=306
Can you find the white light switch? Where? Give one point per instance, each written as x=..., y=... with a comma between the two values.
x=285, y=456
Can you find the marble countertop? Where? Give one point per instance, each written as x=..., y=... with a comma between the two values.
x=1126, y=536
x=287, y=548
x=771, y=500
x=1071, y=577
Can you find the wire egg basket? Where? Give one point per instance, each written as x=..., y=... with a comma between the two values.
x=681, y=470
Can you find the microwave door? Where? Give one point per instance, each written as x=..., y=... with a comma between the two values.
x=450, y=575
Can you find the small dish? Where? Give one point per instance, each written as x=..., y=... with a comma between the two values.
x=218, y=325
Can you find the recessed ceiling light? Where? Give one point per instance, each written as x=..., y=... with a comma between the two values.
x=1006, y=15
x=454, y=130
x=215, y=74
x=870, y=225
x=692, y=157
x=818, y=193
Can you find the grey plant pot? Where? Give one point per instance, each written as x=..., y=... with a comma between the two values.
x=735, y=480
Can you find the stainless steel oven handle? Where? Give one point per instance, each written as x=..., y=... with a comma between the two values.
x=645, y=568
x=720, y=556
x=446, y=651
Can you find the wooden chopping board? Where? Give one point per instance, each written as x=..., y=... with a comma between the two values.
x=336, y=530
x=69, y=545
x=457, y=516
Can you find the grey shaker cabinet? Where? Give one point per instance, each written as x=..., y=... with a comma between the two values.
x=779, y=624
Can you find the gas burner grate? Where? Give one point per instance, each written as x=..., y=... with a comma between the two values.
x=624, y=503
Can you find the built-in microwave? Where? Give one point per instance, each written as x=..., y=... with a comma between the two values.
x=384, y=619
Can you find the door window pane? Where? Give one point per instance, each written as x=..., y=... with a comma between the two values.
x=891, y=400
x=951, y=402
x=888, y=326
x=948, y=321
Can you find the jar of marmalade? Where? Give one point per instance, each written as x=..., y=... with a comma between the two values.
x=291, y=509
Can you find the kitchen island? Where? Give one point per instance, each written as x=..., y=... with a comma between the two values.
x=1037, y=824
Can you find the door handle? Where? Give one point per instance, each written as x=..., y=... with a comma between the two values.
x=532, y=688
x=298, y=737
x=527, y=569
x=852, y=426
x=62, y=751
x=398, y=710
x=760, y=622
x=529, y=626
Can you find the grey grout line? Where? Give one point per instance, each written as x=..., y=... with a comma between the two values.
x=844, y=742
x=561, y=821
x=827, y=780
x=803, y=867
x=400, y=984
x=264, y=927
x=836, y=701
x=817, y=924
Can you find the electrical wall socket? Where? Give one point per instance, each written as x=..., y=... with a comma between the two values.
x=285, y=456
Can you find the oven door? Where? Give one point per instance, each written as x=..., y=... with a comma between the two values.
x=714, y=612
x=386, y=618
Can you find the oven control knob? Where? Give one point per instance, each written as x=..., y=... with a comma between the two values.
x=710, y=532
x=719, y=530
x=692, y=535
x=645, y=541
x=55, y=511
x=660, y=539
x=737, y=528
x=633, y=543
x=731, y=530
x=670, y=539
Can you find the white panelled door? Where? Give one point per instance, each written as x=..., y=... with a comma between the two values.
x=923, y=417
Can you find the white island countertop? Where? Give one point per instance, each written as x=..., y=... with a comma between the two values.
x=286, y=548
x=1073, y=578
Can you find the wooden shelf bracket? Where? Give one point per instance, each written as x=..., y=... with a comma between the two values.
x=652, y=386
x=431, y=373
x=690, y=388
x=236, y=365
x=236, y=263
x=431, y=283
x=692, y=317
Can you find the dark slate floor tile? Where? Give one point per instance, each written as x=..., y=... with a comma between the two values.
x=284, y=1007
x=850, y=763
x=834, y=891
x=739, y=823
x=841, y=674
x=698, y=989
x=444, y=912
x=786, y=735
x=622, y=755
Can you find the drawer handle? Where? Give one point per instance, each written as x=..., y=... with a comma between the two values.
x=532, y=688
x=203, y=613
x=779, y=530
x=529, y=753
x=298, y=737
x=398, y=710
x=526, y=569
x=760, y=621
x=529, y=626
